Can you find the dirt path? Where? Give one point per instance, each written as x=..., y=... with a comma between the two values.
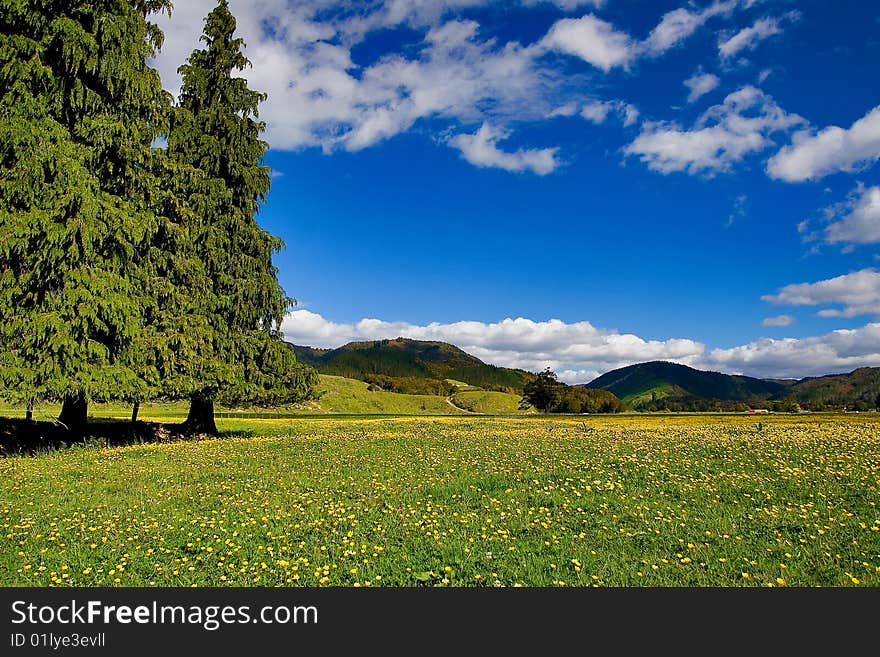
x=459, y=408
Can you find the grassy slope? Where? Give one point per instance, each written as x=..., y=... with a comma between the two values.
x=348, y=396
x=488, y=402
x=653, y=389
x=468, y=501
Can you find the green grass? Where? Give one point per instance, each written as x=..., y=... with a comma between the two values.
x=654, y=389
x=488, y=402
x=337, y=396
x=349, y=396
x=468, y=501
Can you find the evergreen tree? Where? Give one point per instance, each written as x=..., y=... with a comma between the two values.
x=215, y=130
x=79, y=109
x=544, y=392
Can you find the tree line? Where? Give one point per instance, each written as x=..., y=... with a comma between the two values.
x=132, y=269
x=546, y=393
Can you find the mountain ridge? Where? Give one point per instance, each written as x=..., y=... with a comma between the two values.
x=411, y=363
x=659, y=385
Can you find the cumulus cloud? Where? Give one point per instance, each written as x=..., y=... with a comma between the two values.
x=700, y=84
x=858, y=220
x=723, y=135
x=836, y=352
x=593, y=40
x=811, y=156
x=857, y=292
x=578, y=352
x=597, y=111
x=679, y=24
x=749, y=37
x=481, y=149
x=779, y=320
x=604, y=46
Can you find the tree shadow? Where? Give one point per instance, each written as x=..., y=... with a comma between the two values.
x=23, y=437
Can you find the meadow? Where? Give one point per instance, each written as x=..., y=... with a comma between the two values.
x=634, y=500
x=336, y=395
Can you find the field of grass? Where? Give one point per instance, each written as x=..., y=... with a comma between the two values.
x=468, y=501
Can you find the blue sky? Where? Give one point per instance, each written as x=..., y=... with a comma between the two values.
x=687, y=181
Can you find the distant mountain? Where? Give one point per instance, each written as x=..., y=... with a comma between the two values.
x=410, y=361
x=859, y=388
x=649, y=382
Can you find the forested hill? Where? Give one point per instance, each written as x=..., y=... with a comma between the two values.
x=658, y=385
x=646, y=382
x=856, y=390
x=403, y=358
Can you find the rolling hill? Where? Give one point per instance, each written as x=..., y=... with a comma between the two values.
x=413, y=360
x=647, y=382
x=859, y=388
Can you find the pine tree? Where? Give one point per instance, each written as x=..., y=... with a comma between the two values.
x=216, y=131
x=79, y=110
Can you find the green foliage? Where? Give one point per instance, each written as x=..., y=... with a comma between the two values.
x=576, y=399
x=544, y=392
x=548, y=394
x=221, y=250
x=78, y=111
x=409, y=385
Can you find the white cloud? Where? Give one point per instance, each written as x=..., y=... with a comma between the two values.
x=749, y=37
x=574, y=377
x=740, y=210
x=578, y=352
x=597, y=111
x=858, y=220
x=700, y=84
x=858, y=292
x=836, y=352
x=593, y=40
x=779, y=320
x=814, y=155
x=722, y=136
x=679, y=24
x=604, y=46
x=481, y=149
x=567, y=5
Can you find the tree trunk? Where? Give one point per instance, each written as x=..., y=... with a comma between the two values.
x=201, y=417
x=29, y=413
x=74, y=414
x=134, y=411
